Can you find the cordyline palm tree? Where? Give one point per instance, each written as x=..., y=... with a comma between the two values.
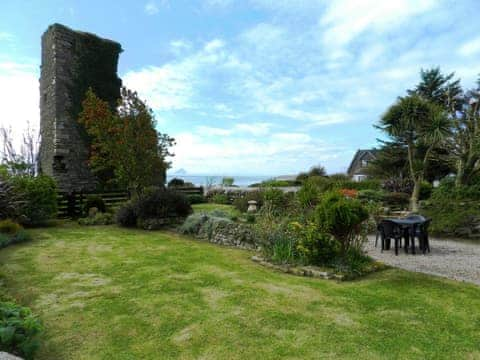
x=420, y=126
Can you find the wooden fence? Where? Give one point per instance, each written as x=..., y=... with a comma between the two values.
x=71, y=205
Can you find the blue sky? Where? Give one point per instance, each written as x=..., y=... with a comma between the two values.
x=265, y=87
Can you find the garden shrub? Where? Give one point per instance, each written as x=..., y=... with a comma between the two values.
x=192, y=224
x=9, y=227
x=396, y=200
x=10, y=201
x=97, y=219
x=342, y=218
x=370, y=195
x=277, y=199
x=228, y=181
x=250, y=218
x=308, y=195
x=176, y=182
x=221, y=199
x=313, y=246
x=126, y=215
x=455, y=211
x=398, y=185
x=94, y=201
x=241, y=203
x=154, y=210
x=19, y=330
x=425, y=190
x=196, y=199
x=39, y=195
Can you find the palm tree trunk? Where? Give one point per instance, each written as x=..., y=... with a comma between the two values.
x=415, y=195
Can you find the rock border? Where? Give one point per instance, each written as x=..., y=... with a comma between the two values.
x=306, y=271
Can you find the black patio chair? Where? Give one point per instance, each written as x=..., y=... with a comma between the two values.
x=390, y=231
x=421, y=232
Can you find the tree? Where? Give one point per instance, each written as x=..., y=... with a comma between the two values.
x=125, y=141
x=438, y=88
x=417, y=124
x=23, y=162
x=465, y=142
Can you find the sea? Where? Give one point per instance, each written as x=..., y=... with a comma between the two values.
x=204, y=180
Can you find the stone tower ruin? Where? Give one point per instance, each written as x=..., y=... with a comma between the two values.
x=72, y=61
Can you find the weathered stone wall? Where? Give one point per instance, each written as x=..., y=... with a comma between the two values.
x=72, y=62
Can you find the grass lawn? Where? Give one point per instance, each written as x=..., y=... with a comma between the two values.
x=111, y=293
x=209, y=207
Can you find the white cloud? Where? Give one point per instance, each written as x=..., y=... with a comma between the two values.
x=214, y=45
x=165, y=88
x=344, y=20
x=279, y=153
x=471, y=47
x=153, y=7
x=19, y=97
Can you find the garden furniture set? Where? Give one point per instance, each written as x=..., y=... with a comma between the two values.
x=406, y=229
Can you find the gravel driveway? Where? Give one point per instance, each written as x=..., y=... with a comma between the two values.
x=448, y=258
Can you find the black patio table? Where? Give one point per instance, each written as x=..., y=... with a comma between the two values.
x=408, y=224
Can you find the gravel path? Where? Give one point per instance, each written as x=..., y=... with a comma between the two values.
x=448, y=258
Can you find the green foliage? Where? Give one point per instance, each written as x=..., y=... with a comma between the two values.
x=9, y=227
x=276, y=183
x=94, y=201
x=196, y=199
x=342, y=218
x=313, y=246
x=396, y=200
x=276, y=199
x=176, y=182
x=125, y=141
x=309, y=194
x=160, y=205
x=425, y=190
x=192, y=224
x=10, y=200
x=241, y=203
x=371, y=195
x=39, y=195
x=126, y=215
x=19, y=330
x=97, y=219
x=228, y=181
x=12, y=233
x=250, y=218
x=220, y=199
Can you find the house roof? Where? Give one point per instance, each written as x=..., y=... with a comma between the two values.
x=359, y=154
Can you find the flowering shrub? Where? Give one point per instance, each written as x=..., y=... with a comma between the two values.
x=349, y=193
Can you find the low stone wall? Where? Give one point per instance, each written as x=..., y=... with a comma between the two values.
x=219, y=230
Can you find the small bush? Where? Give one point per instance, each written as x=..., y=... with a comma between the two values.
x=425, y=190
x=313, y=246
x=176, y=182
x=309, y=194
x=39, y=195
x=228, y=181
x=196, y=199
x=370, y=195
x=9, y=227
x=193, y=223
x=19, y=330
x=250, y=218
x=154, y=210
x=396, y=200
x=241, y=203
x=342, y=218
x=97, y=219
x=94, y=201
x=221, y=199
x=20, y=237
x=126, y=215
